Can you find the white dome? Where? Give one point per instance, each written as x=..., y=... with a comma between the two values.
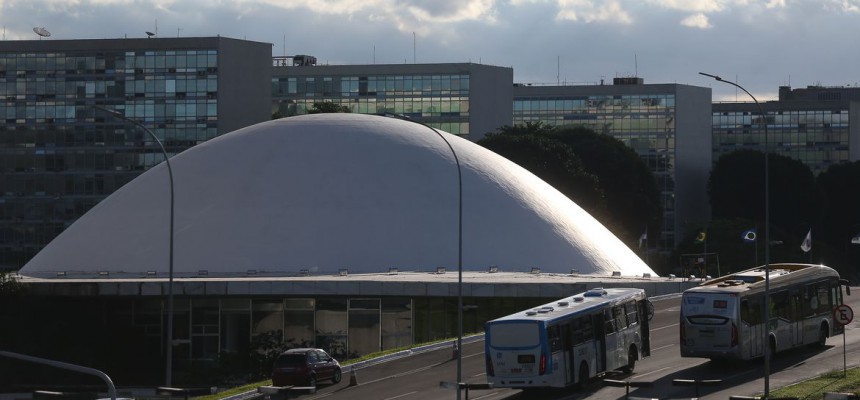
x=330, y=191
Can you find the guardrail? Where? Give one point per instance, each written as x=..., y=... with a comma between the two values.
x=62, y=365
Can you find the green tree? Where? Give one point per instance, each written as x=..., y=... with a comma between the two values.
x=625, y=197
x=632, y=195
x=840, y=188
x=736, y=190
x=328, y=107
x=553, y=162
x=9, y=285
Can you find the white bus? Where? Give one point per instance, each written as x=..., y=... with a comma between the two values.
x=569, y=341
x=723, y=318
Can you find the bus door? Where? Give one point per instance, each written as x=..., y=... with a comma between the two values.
x=600, y=342
x=613, y=339
x=567, y=345
x=752, y=317
x=795, y=315
x=645, y=314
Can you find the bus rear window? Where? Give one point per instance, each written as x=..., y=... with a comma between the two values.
x=525, y=334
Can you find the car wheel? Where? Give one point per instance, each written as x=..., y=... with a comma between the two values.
x=337, y=376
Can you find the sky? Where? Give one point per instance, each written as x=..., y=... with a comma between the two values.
x=759, y=44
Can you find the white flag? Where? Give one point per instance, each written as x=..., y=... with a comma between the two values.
x=806, y=246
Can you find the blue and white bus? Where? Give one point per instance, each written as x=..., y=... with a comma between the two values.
x=569, y=341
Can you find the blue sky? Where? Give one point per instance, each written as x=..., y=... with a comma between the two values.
x=762, y=44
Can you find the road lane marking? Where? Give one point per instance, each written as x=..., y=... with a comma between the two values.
x=486, y=395
x=664, y=327
x=663, y=347
x=652, y=372
x=482, y=373
x=400, y=395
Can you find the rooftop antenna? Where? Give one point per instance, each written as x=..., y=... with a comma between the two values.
x=635, y=65
x=558, y=70
x=178, y=31
x=149, y=34
x=42, y=32
x=413, y=48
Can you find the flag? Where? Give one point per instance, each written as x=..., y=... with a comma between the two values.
x=748, y=236
x=643, y=238
x=701, y=238
x=856, y=239
x=806, y=246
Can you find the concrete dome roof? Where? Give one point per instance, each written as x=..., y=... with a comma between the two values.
x=329, y=191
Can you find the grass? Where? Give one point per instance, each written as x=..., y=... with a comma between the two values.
x=814, y=388
x=254, y=385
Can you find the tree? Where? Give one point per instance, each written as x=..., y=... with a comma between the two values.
x=328, y=107
x=736, y=190
x=840, y=188
x=631, y=192
x=624, y=198
x=553, y=162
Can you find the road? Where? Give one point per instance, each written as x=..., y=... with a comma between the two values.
x=419, y=376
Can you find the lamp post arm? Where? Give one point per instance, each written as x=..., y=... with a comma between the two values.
x=766, y=338
x=169, y=351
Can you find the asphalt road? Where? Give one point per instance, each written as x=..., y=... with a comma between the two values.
x=419, y=376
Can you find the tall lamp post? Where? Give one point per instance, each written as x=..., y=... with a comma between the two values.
x=459, y=263
x=168, y=373
x=766, y=334
x=459, y=248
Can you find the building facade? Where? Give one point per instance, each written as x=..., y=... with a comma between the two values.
x=666, y=124
x=811, y=125
x=60, y=155
x=469, y=100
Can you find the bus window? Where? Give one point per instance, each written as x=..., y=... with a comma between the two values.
x=824, y=305
x=780, y=306
x=554, y=336
x=620, y=317
x=608, y=322
x=751, y=310
x=632, y=313
x=810, y=306
x=581, y=330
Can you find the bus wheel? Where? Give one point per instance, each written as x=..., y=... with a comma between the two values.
x=822, y=336
x=772, y=347
x=631, y=360
x=583, y=375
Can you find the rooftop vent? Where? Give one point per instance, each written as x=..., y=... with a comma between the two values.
x=628, y=80
x=596, y=292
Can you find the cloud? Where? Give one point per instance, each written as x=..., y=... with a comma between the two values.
x=593, y=11
x=697, y=21
x=695, y=6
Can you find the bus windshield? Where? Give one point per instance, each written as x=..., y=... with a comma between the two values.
x=515, y=334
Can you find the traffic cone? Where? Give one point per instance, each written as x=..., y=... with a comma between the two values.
x=353, y=381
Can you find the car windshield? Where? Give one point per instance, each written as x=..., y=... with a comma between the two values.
x=286, y=360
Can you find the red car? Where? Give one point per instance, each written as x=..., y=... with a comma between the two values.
x=299, y=367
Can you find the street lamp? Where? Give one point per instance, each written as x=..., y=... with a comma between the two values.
x=459, y=248
x=766, y=334
x=169, y=368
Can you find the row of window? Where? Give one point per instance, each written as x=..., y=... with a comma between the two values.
x=348, y=86
x=129, y=61
x=621, y=104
